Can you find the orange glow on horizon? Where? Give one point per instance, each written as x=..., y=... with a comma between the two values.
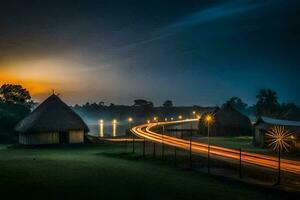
x=35, y=87
x=40, y=77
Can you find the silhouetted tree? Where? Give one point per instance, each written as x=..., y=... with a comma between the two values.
x=236, y=103
x=290, y=111
x=168, y=104
x=267, y=103
x=101, y=103
x=14, y=94
x=145, y=108
x=142, y=102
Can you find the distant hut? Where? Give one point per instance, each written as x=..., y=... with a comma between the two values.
x=264, y=124
x=52, y=122
x=227, y=122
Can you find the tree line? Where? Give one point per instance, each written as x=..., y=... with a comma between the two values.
x=267, y=105
x=16, y=103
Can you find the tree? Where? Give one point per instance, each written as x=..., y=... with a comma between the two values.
x=168, y=104
x=236, y=103
x=14, y=94
x=145, y=108
x=10, y=115
x=101, y=103
x=142, y=103
x=267, y=103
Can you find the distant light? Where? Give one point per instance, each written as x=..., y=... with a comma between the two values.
x=293, y=137
x=172, y=118
x=148, y=121
x=101, y=121
x=179, y=117
x=166, y=119
x=155, y=118
x=209, y=118
x=130, y=119
x=114, y=121
x=194, y=112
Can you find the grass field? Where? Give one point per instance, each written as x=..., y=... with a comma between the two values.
x=244, y=142
x=104, y=171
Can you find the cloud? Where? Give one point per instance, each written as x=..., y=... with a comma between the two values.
x=216, y=12
x=209, y=14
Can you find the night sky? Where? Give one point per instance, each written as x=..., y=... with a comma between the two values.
x=192, y=52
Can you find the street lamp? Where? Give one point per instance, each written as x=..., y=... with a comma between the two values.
x=130, y=121
x=194, y=114
x=129, y=125
x=209, y=119
x=277, y=138
x=180, y=117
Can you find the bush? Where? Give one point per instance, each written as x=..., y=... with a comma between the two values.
x=10, y=115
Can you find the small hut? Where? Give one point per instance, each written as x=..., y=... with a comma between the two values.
x=227, y=122
x=52, y=122
x=264, y=124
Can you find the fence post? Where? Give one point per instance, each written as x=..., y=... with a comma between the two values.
x=279, y=168
x=144, y=145
x=154, y=151
x=175, y=153
x=163, y=146
x=126, y=144
x=191, y=163
x=208, y=159
x=133, y=149
x=240, y=168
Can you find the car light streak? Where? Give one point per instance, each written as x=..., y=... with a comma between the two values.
x=217, y=152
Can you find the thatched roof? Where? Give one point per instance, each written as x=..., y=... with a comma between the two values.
x=52, y=115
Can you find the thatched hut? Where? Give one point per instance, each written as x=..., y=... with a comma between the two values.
x=52, y=122
x=264, y=124
x=227, y=122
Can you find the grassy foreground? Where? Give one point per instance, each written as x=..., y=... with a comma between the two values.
x=103, y=171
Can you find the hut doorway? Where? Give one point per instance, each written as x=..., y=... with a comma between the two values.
x=63, y=137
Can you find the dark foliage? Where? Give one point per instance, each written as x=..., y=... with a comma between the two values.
x=236, y=103
x=10, y=115
x=267, y=103
x=14, y=94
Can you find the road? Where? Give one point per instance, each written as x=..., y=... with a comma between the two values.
x=217, y=152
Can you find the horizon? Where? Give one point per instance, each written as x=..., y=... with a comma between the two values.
x=193, y=53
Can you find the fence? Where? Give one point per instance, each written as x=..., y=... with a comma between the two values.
x=215, y=160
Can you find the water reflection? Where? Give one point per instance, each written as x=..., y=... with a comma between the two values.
x=108, y=128
x=101, y=128
x=114, y=128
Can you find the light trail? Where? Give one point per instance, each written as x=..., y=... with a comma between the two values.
x=217, y=152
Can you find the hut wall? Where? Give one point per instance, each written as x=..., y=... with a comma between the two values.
x=76, y=136
x=39, y=138
x=260, y=134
